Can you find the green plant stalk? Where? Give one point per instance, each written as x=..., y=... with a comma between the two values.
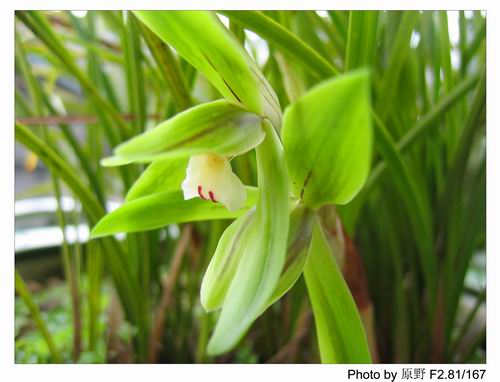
x=476, y=217
x=399, y=52
x=446, y=67
x=273, y=32
x=335, y=45
x=416, y=208
x=340, y=21
x=126, y=284
x=169, y=68
x=40, y=27
x=97, y=75
x=92, y=46
x=71, y=273
x=127, y=179
x=451, y=196
x=467, y=138
x=424, y=125
x=238, y=32
x=138, y=250
x=94, y=275
x=453, y=348
x=361, y=39
x=76, y=284
x=22, y=104
x=462, y=25
x=473, y=346
x=94, y=135
x=305, y=26
x=479, y=38
x=37, y=92
x=134, y=73
x=25, y=294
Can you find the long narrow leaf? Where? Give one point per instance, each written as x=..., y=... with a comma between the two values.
x=361, y=39
x=224, y=263
x=339, y=328
x=282, y=39
x=220, y=127
x=202, y=40
x=160, y=209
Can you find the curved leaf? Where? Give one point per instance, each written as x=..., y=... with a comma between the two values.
x=224, y=263
x=299, y=242
x=283, y=39
x=202, y=40
x=327, y=135
x=220, y=127
x=161, y=209
x=232, y=244
x=340, y=332
x=263, y=259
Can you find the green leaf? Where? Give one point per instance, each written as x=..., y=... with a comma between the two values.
x=327, y=135
x=116, y=262
x=339, y=329
x=362, y=39
x=162, y=175
x=170, y=69
x=299, y=242
x=39, y=25
x=263, y=259
x=399, y=53
x=224, y=263
x=134, y=72
x=417, y=207
x=202, y=40
x=23, y=291
x=160, y=209
x=283, y=39
x=220, y=127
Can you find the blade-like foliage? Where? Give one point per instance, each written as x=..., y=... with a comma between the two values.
x=160, y=209
x=224, y=263
x=299, y=242
x=283, y=39
x=220, y=127
x=361, y=39
x=202, y=40
x=340, y=332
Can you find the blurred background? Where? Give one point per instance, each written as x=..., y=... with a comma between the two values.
x=413, y=253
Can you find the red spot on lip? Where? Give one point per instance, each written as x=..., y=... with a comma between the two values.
x=211, y=194
x=201, y=194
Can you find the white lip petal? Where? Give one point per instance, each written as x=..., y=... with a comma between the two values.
x=210, y=177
